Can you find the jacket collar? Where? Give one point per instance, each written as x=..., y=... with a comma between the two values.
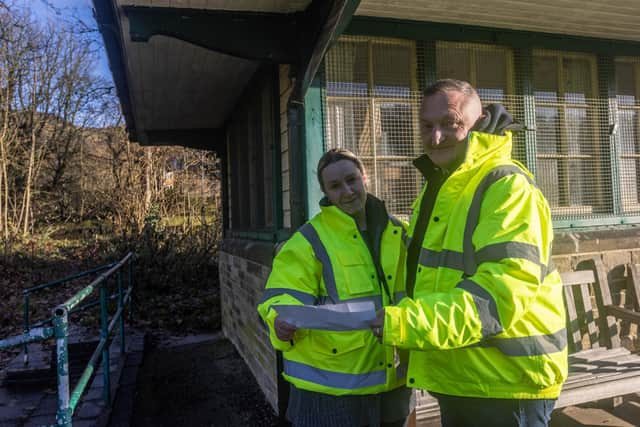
x=375, y=209
x=480, y=147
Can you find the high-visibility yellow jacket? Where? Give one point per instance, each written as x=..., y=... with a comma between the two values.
x=327, y=262
x=487, y=317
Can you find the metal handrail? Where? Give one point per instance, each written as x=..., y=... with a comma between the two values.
x=26, y=296
x=68, y=401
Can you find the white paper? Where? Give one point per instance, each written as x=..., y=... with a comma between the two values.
x=348, y=316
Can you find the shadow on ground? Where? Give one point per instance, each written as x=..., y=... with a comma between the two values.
x=201, y=383
x=626, y=414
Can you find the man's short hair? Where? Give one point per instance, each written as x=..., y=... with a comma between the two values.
x=451, y=85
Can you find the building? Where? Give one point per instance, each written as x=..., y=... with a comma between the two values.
x=271, y=84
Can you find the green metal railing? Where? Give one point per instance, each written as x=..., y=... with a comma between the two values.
x=59, y=329
x=26, y=296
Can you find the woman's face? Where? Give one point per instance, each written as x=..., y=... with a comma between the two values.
x=344, y=186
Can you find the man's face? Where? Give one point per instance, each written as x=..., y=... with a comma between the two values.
x=445, y=121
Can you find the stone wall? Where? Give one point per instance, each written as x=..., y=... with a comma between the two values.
x=244, y=267
x=617, y=248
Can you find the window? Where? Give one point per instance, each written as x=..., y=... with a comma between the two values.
x=567, y=133
x=251, y=141
x=628, y=143
x=589, y=175
x=488, y=68
x=371, y=109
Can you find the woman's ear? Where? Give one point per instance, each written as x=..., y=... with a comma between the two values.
x=365, y=180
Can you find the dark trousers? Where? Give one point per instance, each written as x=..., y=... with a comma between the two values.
x=471, y=412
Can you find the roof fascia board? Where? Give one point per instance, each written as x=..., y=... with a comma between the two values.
x=250, y=35
x=422, y=30
x=109, y=27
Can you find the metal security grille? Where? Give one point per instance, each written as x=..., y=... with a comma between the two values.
x=627, y=133
x=373, y=92
x=371, y=108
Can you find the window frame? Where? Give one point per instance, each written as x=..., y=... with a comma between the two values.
x=373, y=111
x=635, y=63
x=564, y=157
x=522, y=43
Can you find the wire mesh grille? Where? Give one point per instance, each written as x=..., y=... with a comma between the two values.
x=373, y=93
x=628, y=153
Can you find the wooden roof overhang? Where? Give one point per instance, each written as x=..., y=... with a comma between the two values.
x=181, y=66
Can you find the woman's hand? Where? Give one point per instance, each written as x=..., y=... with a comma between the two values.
x=284, y=330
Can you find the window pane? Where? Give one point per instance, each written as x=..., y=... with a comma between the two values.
x=547, y=129
x=398, y=183
x=629, y=158
x=627, y=128
x=625, y=82
x=578, y=131
x=577, y=80
x=395, y=137
x=627, y=137
x=351, y=77
x=545, y=80
x=491, y=69
x=547, y=178
x=391, y=70
x=349, y=126
x=453, y=62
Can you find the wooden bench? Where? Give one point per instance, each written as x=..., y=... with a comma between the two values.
x=599, y=367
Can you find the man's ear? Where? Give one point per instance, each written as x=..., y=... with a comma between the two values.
x=365, y=180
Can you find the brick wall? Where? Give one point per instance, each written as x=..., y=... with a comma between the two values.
x=241, y=283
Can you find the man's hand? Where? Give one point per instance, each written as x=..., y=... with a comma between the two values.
x=284, y=330
x=377, y=325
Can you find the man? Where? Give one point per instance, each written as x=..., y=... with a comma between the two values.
x=484, y=313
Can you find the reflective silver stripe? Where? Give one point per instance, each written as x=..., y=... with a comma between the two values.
x=444, y=258
x=499, y=251
x=322, y=255
x=470, y=263
x=334, y=379
x=399, y=295
x=530, y=346
x=303, y=297
x=338, y=321
x=486, y=306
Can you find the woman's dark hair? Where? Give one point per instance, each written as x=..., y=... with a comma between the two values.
x=335, y=155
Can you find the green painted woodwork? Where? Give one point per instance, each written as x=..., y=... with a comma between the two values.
x=240, y=34
x=610, y=140
x=314, y=142
x=418, y=30
x=523, y=73
x=598, y=222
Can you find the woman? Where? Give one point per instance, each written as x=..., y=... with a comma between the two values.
x=352, y=251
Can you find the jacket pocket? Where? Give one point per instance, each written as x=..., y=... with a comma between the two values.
x=359, y=275
x=336, y=344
